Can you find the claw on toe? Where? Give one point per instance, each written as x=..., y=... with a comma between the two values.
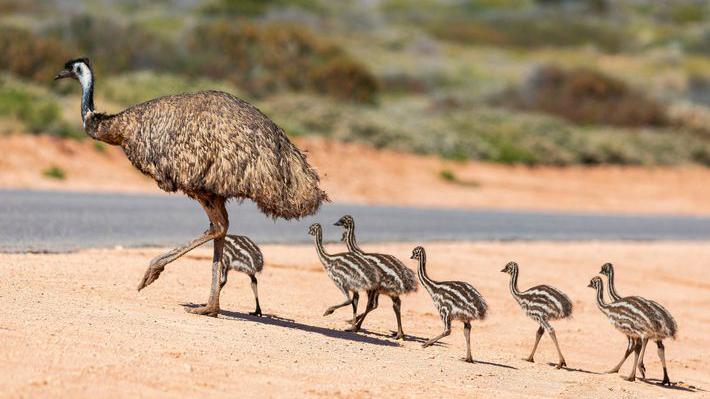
x=468, y=360
x=398, y=336
x=561, y=364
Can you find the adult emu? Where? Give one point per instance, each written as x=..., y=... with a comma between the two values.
x=211, y=146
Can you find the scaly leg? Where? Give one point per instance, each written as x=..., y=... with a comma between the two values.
x=355, y=326
x=561, y=362
x=639, y=352
x=212, y=307
x=538, y=335
x=467, y=334
x=662, y=356
x=347, y=302
x=256, y=312
x=629, y=349
x=372, y=300
x=397, y=306
x=447, y=331
x=219, y=223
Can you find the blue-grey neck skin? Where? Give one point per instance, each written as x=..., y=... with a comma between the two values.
x=87, y=99
x=86, y=79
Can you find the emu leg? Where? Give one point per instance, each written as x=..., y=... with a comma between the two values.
x=256, y=312
x=372, y=301
x=447, y=331
x=212, y=307
x=639, y=352
x=397, y=306
x=629, y=349
x=219, y=223
x=355, y=326
x=333, y=308
x=662, y=356
x=467, y=334
x=561, y=362
x=538, y=335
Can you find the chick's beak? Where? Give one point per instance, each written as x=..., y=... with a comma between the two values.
x=590, y=285
x=338, y=223
x=65, y=73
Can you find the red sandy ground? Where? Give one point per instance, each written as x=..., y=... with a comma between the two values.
x=359, y=174
x=73, y=325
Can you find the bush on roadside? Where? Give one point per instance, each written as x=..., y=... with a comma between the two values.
x=263, y=59
x=586, y=96
x=30, y=56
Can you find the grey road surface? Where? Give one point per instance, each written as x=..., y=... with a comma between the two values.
x=61, y=221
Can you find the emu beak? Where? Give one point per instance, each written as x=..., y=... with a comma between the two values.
x=65, y=73
x=590, y=285
x=338, y=223
x=502, y=270
x=413, y=257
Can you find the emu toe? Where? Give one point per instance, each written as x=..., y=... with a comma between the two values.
x=204, y=311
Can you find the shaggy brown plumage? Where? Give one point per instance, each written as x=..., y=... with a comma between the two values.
x=212, y=146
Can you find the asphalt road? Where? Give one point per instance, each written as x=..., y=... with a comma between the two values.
x=61, y=221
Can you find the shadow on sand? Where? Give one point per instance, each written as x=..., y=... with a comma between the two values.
x=676, y=386
x=288, y=323
x=407, y=337
x=575, y=370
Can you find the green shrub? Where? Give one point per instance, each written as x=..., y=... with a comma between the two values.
x=115, y=47
x=533, y=30
x=37, y=110
x=586, y=96
x=269, y=58
x=55, y=172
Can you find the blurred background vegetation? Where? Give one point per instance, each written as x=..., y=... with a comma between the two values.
x=514, y=81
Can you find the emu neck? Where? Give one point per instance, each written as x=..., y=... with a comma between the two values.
x=613, y=295
x=514, y=283
x=426, y=281
x=324, y=257
x=87, y=95
x=600, y=299
x=350, y=240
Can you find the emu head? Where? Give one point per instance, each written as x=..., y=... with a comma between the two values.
x=417, y=253
x=607, y=269
x=79, y=69
x=510, y=268
x=595, y=283
x=346, y=221
x=314, y=229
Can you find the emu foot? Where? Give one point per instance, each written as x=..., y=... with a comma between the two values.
x=612, y=371
x=468, y=359
x=427, y=344
x=211, y=311
x=398, y=335
x=642, y=370
x=561, y=364
x=352, y=329
x=151, y=274
x=529, y=359
x=256, y=313
x=328, y=311
x=630, y=378
x=666, y=381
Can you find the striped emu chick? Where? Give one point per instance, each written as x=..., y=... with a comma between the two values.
x=630, y=318
x=663, y=323
x=350, y=273
x=397, y=279
x=543, y=304
x=455, y=300
x=242, y=255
